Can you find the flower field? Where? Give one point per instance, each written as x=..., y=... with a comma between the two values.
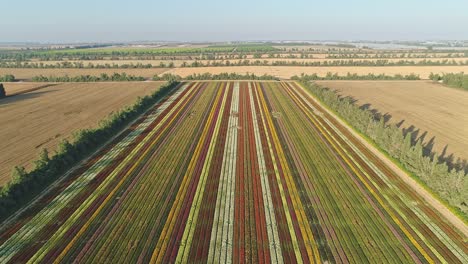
x=233, y=172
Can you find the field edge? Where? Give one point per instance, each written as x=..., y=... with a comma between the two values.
x=448, y=212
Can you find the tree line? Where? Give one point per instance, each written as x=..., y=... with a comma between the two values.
x=312, y=77
x=7, y=78
x=95, y=53
x=369, y=63
x=81, y=65
x=354, y=76
x=448, y=183
x=456, y=80
x=335, y=63
x=209, y=76
x=115, y=77
x=25, y=185
x=396, y=56
x=222, y=63
x=210, y=52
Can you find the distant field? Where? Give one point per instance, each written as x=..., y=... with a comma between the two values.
x=428, y=106
x=283, y=54
x=284, y=72
x=41, y=119
x=27, y=74
x=162, y=50
x=287, y=71
x=306, y=47
x=179, y=62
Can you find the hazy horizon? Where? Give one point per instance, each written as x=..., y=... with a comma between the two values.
x=208, y=20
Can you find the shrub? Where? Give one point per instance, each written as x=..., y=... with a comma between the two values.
x=7, y=78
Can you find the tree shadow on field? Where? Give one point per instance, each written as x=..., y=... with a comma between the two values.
x=416, y=135
x=428, y=149
x=365, y=107
x=377, y=115
x=21, y=97
x=456, y=163
x=399, y=124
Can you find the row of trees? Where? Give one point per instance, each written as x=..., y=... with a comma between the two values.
x=81, y=65
x=240, y=52
x=364, y=63
x=396, y=55
x=115, y=77
x=209, y=76
x=302, y=77
x=456, y=80
x=25, y=185
x=429, y=168
x=7, y=78
x=11, y=60
x=370, y=63
x=220, y=63
x=93, y=53
x=332, y=47
x=394, y=51
x=354, y=76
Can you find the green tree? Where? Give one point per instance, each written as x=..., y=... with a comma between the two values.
x=18, y=174
x=43, y=159
x=405, y=148
x=380, y=130
x=7, y=78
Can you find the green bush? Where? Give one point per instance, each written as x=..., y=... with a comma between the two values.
x=456, y=80
x=7, y=78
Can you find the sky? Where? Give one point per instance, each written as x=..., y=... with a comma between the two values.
x=240, y=20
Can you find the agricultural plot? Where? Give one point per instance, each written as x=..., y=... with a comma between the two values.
x=287, y=71
x=178, y=62
x=26, y=74
x=40, y=116
x=439, y=111
x=284, y=72
x=233, y=172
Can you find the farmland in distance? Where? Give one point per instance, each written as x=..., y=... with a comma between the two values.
x=233, y=172
x=283, y=72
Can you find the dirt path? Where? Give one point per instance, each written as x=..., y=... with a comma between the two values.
x=428, y=197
